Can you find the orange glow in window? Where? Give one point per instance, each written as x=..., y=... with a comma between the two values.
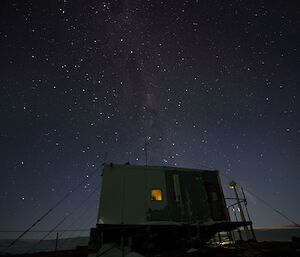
x=156, y=195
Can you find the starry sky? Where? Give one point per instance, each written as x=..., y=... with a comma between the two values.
x=203, y=82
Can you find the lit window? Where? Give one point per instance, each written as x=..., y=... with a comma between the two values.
x=156, y=195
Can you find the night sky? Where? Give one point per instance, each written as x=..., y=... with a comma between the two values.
x=204, y=83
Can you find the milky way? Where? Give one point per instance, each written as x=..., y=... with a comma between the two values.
x=204, y=83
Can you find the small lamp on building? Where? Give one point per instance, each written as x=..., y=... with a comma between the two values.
x=232, y=184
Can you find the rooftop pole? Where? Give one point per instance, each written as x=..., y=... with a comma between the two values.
x=146, y=152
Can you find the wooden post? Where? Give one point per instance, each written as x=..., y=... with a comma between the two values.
x=56, y=242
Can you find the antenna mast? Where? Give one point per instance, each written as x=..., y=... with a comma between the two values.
x=146, y=152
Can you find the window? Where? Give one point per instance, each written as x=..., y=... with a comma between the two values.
x=156, y=195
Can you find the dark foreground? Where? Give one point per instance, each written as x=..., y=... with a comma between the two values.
x=248, y=249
